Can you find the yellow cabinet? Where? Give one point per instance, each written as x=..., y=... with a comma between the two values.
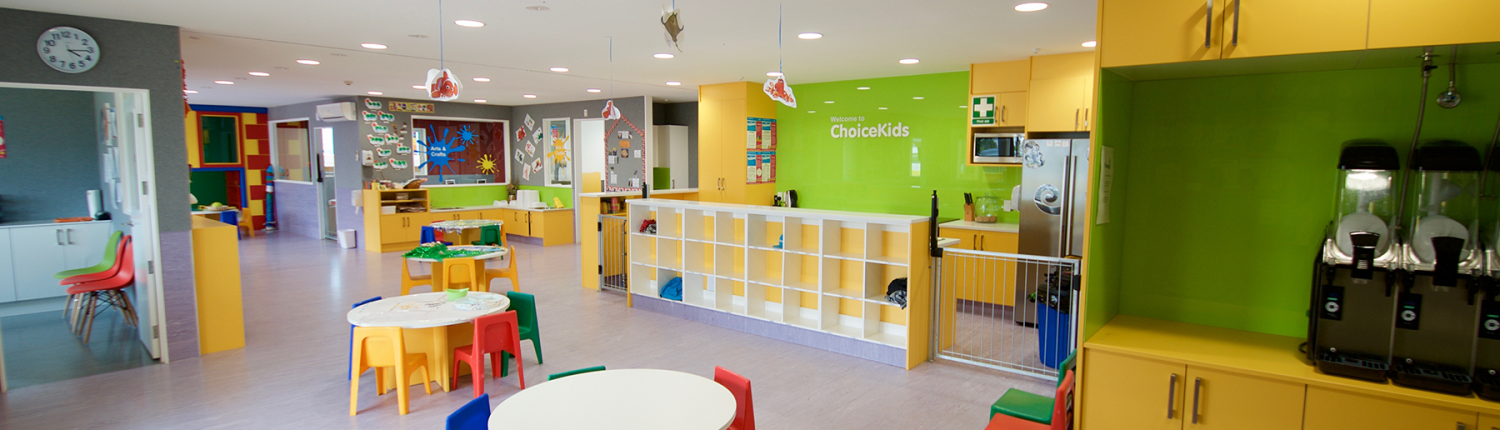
x=1489, y=422
x=1128, y=393
x=980, y=279
x=1259, y=28
x=1061, y=95
x=999, y=77
x=1399, y=23
x=722, y=111
x=1218, y=400
x=1012, y=109
x=1134, y=32
x=401, y=228
x=710, y=151
x=1335, y=410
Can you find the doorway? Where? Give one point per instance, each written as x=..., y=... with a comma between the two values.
x=328, y=217
x=112, y=156
x=588, y=149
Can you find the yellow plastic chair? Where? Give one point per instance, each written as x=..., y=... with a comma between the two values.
x=508, y=273
x=408, y=281
x=379, y=348
x=459, y=271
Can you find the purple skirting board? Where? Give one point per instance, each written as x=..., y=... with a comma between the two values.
x=789, y=333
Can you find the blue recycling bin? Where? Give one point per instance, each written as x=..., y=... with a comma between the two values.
x=1053, y=323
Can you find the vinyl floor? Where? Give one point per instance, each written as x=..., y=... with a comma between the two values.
x=40, y=348
x=292, y=372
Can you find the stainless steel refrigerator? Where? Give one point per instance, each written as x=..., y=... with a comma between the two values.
x=1054, y=188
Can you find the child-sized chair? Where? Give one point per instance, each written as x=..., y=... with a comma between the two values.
x=110, y=290
x=408, y=281
x=474, y=415
x=525, y=307
x=494, y=335
x=351, y=336
x=1021, y=404
x=570, y=372
x=744, y=411
x=508, y=272
x=430, y=235
x=458, y=273
x=1061, y=418
x=379, y=348
x=489, y=235
x=114, y=256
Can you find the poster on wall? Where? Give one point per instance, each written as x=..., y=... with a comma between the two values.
x=559, y=169
x=411, y=107
x=2, y=137
x=760, y=134
x=760, y=167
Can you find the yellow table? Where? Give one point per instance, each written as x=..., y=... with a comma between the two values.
x=429, y=331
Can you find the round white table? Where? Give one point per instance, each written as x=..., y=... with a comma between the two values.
x=425, y=319
x=644, y=399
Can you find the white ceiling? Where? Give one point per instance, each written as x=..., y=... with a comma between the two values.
x=723, y=41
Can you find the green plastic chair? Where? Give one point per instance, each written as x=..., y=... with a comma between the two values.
x=489, y=235
x=525, y=307
x=575, y=372
x=1028, y=406
x=104, y=263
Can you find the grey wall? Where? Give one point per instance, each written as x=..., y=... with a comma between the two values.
x=139, y=56
x=631, y=108
x=682, y=114
x=440, y=109
x=297, y=209
x=52, y=156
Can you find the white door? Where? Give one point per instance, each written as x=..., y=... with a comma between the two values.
x=137, y=172
x=322, y=145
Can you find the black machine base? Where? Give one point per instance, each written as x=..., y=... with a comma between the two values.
x=1487, y=386
x=1432, y=378
x=1353, y=367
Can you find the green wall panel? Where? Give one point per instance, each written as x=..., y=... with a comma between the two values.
x=209, y=187
x=1106, y=241
x=1230, y=182
x=547, y=193
x=885, y=174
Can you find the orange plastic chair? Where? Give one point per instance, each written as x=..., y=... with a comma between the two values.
x=459, y=271
x=744, y=411
x=493, y=334
x=379, y=348
x=1062, y=413
x=509, y=273
x=408, y=281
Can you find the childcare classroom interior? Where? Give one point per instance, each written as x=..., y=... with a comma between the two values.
x=1207, y=215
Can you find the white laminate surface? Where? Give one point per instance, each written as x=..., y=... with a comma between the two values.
x=777, y=211
x=424, y=310
x=628, y=399
x=944, y=242
x=44, y=223
x=638, y=193
x=1003, y=227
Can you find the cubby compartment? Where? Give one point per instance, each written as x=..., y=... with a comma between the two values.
x=799, y=309
x=884, y=324
x=723, y=294
x=639, y=214
x=764, y=302
x=845, y=240
x=729, y=261
x=877, y=279
x=888, y=244
x=800, y=272
x=801, y=235
x=727, y=229
x=698, y=257
x=697, y=290
x=844, y=278
x=669, y=253
x=842, y=316
x=643, y=249
x=763, y=232
x=667, y=223
x=696, y=225
x=764, y=267
x=645, y=280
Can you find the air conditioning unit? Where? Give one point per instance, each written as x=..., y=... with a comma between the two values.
x=335, y=112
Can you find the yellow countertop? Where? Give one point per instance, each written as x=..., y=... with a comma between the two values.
x=203, y=222
x=1249, y=353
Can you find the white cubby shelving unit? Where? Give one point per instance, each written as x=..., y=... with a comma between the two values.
x=825, y=271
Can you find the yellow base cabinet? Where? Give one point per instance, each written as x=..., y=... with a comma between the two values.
x=1400, y=23
x=1129, y=393
x=1489, y=422
x=1336, y=410
x=1219, y=400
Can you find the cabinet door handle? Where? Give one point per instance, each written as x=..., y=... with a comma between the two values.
x=59, y=237
x=1208, y=29
x=1075, y=119
x=1197, y=389
x=1086, y=116
x=1002, y=114
x=70, y=236
x=1172, y=397
x=1235, y=40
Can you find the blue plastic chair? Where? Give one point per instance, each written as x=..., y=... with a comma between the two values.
x=231, y=218
x=351, y=339
x=474, y=415
x=429, y=236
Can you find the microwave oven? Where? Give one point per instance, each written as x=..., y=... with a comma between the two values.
x=997, y=148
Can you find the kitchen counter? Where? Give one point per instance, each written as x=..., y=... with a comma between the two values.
x=492, y=207
x=1002, y=227
x=638, y=193
x=13, y=224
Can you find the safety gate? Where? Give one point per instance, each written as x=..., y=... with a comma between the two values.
x=1012, y=312
x=612, y=253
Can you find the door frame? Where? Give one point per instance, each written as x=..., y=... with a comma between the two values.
x=578, y=173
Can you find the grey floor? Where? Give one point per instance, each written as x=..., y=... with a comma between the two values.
x=292, y=373
x=40, y=348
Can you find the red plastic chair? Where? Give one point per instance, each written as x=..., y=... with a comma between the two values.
x=110, y=290
x=492, y=335
x=69, y=311
x=744, y=411
x=1062, y=413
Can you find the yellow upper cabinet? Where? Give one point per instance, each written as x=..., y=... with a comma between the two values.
x=1259, y=28
x=1399, y=23
x=1137, y=32
x=1061, y=93
x=1012, y=109
x=999, y=77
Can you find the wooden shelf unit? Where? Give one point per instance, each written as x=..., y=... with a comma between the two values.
x=829, y=275
x=401, y=230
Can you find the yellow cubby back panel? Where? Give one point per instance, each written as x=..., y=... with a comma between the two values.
x=773, y=295
x=773, y=264
x=773, y=232
x=739, y=288
x=708, y=227
x=895, y=244
x=893, y=315
x=851, y=307
x=809, y=269
x=851, y=274
x=853, y=241
x=652, y=245
x=809, y=300
x=810, y=236
x=739, y=230
x=739, y=261
x=678, y=231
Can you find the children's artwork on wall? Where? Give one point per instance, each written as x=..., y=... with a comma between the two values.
x=386, y=117
x=442, y=85
x=439, y=151
x=412, y=107
x=614, y=178
x=520, y=134
x=403, y=149
x=624, y=153
x=530, y=148
x=383, y=152
x=380, y=128
x=560, y=154
x=486, y=164
x=399, y=164
x=624, y=134
x=520, y=156
x=369, y=116
x=377, y=141
x=381, y=165
x=624, y=144
x=391, y=139
x=373, y=104
x=530, y=122
x=610, y=111
x=525, y=173
x=638, y=154
x=403, y=129
x=536, y=166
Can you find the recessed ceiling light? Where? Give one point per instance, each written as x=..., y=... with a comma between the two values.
x=1091, y=44
x=559, y=69
x=309, y=62
x=593, y=90
x=664, y=56
x=862, y=88
x=480, y=101
x=881, y=108
x=190, y=91
x=372, y=46
x=810, y=36
x=529, y=96
x=469, y=23
x=224, y=82
x=673, y=83
x=481, y=79
x=828, y=101
x=917, y=98
x=261, y=74
x=773, y=74
x=420, y=87
x=1030, y=7
x=910, y=61
x=374, y=93
x=538, y=8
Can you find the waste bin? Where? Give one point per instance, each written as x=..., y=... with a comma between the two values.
x=1054, y=322
x=347, y=239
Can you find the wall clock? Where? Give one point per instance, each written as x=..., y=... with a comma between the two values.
x=68, y=49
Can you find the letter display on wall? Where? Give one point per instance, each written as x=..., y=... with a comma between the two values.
x=760, y=151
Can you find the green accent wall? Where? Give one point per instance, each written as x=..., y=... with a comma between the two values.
x=209, y=187
x=1231, y=180
x=885, y=174
x=547, y=193
x=1103, y=258
x=486, y=195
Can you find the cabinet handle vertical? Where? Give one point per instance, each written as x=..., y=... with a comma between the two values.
x=1075, y=119
x=1208, y=21
x=1086, y=116
x=70, y=236
x=1171, y=396
x=1197, y=389
x=1002, y=114
x=59, y=237
x=1235, y=40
